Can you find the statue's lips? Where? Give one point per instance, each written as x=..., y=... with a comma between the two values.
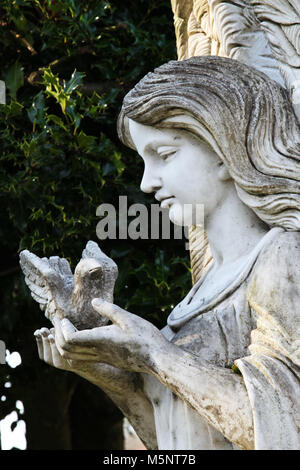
x=166, y=203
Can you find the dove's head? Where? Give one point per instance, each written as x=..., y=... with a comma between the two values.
x=88, y=272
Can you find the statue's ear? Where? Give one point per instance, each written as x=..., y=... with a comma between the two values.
x=223, y=173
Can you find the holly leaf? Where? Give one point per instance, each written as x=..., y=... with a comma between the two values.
x=74, y=82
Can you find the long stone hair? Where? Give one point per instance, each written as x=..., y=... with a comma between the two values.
x=243, y=115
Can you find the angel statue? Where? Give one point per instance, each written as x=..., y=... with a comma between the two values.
x=219, y=130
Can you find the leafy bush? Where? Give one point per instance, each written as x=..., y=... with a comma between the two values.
x=67, y=65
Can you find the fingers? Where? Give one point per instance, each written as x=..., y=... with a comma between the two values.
x=95, y=344
x=43, y=344
x=47, y=349
x=71, y=343
x=59, y=337
x=39, y=343
x=46, y=345
x=68, y=329
x=64, y=334
x=58, y=360
x=49, y=352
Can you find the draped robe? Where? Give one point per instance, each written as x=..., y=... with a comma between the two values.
x=252, y=321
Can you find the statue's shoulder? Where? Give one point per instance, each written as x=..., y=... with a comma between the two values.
x=274, y=294
x=276, y=274
x=286, y=245
x=281, y=254
x=287, y=239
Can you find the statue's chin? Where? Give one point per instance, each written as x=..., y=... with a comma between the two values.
x=185, y=216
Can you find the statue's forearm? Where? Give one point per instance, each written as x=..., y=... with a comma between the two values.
x=125, y=389
x=217, y=394
x=139, y=412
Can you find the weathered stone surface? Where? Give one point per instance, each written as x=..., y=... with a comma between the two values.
x=263, y=34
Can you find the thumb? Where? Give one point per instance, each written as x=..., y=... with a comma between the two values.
x=111, y=311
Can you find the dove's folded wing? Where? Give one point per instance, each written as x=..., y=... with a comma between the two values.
x=45, y=277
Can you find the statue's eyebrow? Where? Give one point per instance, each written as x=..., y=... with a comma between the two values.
x=160, y=142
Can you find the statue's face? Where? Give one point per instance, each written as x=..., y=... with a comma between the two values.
x=181, y=170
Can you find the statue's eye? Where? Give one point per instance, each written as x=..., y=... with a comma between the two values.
x=166, y=152
x=95, y=274
x=165, y=156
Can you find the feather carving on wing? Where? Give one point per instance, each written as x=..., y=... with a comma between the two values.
x=64, y=295
x=264, y=34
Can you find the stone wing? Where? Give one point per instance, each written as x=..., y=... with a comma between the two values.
x=49, y=280
x=264, y=34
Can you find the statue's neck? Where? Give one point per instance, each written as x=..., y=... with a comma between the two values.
x=233, y=230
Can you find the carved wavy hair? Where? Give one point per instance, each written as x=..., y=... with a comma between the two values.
x=249, y=120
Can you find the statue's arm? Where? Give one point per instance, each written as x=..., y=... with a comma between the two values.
x=219, y=395
x=132, y=343
x=125, y=388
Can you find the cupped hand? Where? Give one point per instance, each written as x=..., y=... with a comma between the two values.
x=105, y=376
x=49, y=353
x=127, y=343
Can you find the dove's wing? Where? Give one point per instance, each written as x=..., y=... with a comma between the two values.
x=48, y=280
x=264, y=34
x=34, y=269
x=280, y=21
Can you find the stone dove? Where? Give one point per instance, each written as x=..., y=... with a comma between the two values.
x=62, y=294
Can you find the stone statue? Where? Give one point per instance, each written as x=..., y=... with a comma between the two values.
x=224, y=372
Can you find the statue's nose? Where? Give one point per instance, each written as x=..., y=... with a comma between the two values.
x=151, y=182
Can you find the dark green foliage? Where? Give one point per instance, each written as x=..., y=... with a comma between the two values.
x=67, y=65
